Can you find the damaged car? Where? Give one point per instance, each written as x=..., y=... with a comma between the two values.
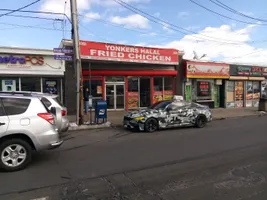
x=168, y=114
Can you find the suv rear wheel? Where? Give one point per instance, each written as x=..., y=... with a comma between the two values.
x=15, y=154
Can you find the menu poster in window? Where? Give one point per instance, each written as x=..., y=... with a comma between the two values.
x=133, y=100
x=99, y=89
x=168, y=94
x=256, y=90
x=158, y=96
x=51, y=87
x=239, y=91
x=249, y=91
x=203, y=88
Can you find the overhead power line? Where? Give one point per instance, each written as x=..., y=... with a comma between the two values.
x=147, y=33
x=171, y=26
x=30, y=26
x=35, y=17
x=244, y=22
x=224, y=6
x=28, y=5
x=37, y=12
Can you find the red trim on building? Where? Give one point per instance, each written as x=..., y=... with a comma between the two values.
x=93, y=79
x=103, y=88
x=126, y=93
x=130, y=73
x=152, y=89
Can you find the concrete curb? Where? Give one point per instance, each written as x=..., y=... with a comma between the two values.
x=75, y=127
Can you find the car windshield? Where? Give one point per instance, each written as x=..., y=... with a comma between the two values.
x=160, y=105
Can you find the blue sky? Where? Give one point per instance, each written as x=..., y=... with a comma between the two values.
x=107, y=21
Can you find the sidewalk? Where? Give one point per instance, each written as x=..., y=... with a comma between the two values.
x=116, y=117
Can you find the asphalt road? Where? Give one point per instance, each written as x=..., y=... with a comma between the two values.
x=227, y=160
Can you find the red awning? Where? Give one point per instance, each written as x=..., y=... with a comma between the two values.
x=130, y=73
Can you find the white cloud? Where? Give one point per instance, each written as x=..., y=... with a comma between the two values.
x=149, y=34
x=183, y=14
x=59, y=5
x=242, y=52
x=88, y=17
x=132, y=21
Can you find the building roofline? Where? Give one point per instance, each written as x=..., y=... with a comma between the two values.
x=22, y=50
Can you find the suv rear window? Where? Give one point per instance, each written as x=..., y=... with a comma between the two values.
x=46, y=102
x=15, y=106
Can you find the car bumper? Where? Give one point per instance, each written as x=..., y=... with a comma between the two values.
x=65, y=124
x=132, y=124
x=55, y=145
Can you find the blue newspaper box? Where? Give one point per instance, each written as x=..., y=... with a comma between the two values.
x=100, y=110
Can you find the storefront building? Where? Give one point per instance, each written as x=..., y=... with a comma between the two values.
x=243, y=89
x=24, y=69
x=205, y=82
x=128, y=77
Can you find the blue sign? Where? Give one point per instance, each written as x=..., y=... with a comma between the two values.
x=12, y=59
x=62, y=57
x=63, y=50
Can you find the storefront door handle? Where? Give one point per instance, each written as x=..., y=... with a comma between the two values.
x=2, y=124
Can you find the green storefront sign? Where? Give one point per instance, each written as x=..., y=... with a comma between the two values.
x=188, y=92
x=238, y=70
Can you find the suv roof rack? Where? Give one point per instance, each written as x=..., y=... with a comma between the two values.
x=25, y=93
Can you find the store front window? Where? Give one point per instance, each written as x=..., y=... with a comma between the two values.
x=230, y=94
x=51, y=86
x=31, y=84
x=158, y=89
x=204, y=90
x=145, y=92
x=256, y=93
x=168, y=87
x=96, y=88
x=9, y=84
x=133, y=92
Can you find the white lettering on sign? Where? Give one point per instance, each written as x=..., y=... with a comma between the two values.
x=153, y=56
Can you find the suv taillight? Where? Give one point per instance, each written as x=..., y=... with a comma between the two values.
x=63, y=113
x=48, y=117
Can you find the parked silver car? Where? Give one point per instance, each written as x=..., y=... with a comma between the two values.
x=26, y=125
x=51, y=100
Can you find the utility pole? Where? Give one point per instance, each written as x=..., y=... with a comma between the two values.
x=77, y=62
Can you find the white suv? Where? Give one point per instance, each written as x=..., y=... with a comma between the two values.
x=26, y=125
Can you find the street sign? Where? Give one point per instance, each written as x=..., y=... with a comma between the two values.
x=63, y=50
x=62, y=57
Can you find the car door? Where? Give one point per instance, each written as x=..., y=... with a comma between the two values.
x=176, y=114
x=4, y=120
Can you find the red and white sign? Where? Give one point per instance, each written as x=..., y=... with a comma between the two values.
x=207, y=70
x=123, y=53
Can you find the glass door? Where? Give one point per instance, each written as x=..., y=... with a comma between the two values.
x=115, y=96
x=119, y=96
x=110, y=93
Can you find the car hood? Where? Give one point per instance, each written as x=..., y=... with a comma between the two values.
x=141, y=112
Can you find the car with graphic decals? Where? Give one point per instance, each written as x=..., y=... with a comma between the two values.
x=168, y=114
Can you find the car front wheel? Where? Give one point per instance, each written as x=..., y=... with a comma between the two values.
x=15, y=154
x=151, y=125
x=201, y=121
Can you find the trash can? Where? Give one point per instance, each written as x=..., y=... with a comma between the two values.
x=263, y=104
x=100, y=111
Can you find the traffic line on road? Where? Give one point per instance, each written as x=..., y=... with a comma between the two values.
x=41, y=198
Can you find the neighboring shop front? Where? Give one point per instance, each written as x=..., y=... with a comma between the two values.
x=128, y=77
x=243, y=89
x=205, y=83
x=23, y=69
